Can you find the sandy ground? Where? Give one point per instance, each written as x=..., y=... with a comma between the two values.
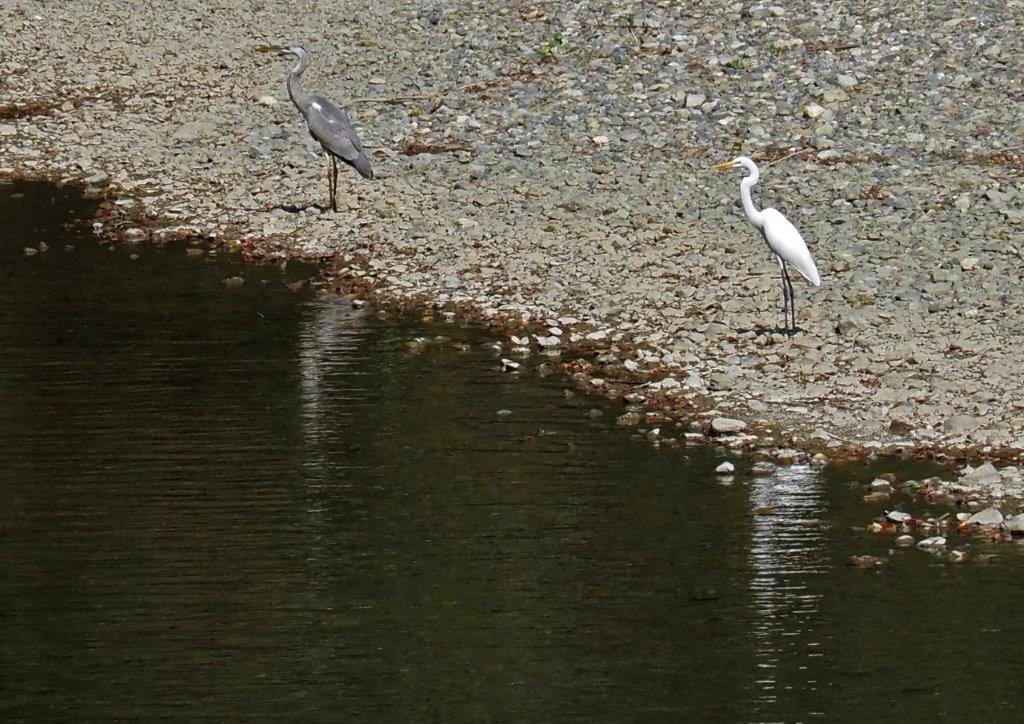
x=546, y=165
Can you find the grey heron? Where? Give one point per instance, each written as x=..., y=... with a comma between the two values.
x=779, y=234
x=328, y=125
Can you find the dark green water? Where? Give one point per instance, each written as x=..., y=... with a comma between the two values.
x=248, y=502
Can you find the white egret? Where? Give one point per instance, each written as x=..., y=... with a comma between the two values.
x=780, y=236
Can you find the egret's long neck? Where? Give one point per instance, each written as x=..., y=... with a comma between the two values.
x=753, y=215
x=299, y=97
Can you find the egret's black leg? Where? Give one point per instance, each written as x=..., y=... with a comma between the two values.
x=785, y=296
x=792, y=305
x=792, y=300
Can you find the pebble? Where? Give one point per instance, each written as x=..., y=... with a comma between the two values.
x=727, y=426
x=879, y=485
x=834, y=95
x=1014, y=526
x=866, y=562
x=725, y=468
x=961, y=424
x=813, y=110
x=987, y=518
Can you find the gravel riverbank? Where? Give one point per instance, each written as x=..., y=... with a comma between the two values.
x=547, y=163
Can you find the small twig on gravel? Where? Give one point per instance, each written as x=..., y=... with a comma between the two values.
x=788, y=155
x=414, y=149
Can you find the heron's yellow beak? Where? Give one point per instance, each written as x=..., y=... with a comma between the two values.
x=723, y=166
x=265, y=48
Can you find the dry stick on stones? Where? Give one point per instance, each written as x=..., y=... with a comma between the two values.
x=787, y=156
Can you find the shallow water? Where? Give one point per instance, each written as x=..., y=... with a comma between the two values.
x=240, y=502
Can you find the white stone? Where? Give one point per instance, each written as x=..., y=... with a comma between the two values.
x=813, y=110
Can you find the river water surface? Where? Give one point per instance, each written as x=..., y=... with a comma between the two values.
x=247, y=501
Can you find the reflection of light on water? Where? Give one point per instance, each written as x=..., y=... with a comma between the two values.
x=327, y=344
x=787, y=549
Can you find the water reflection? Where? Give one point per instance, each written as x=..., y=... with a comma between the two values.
x=787, y=552
x=327, y=346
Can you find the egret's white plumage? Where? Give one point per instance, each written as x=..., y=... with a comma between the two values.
x=786, y=242
x=778, y=233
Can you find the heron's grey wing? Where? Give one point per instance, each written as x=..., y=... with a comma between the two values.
x=331, y=127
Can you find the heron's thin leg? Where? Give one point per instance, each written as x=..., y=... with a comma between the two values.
x=330, y=188
x=332, y=171
x=335, y=162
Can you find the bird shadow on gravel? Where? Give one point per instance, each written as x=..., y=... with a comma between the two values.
x=767, y=331
x=293, y=209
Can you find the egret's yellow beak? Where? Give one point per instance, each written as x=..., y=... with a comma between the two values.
x=723, y=166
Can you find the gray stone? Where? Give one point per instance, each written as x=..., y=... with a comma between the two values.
x=961, y=424
x=987, y=518
x=727, y=426
x=1014, y=526
x=723, y=380
x=835, y=95
x=984, y=474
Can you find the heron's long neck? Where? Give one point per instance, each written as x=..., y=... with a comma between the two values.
x=753, y=215
x=299, y=97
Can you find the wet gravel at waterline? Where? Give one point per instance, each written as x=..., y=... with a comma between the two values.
x=242, y=499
